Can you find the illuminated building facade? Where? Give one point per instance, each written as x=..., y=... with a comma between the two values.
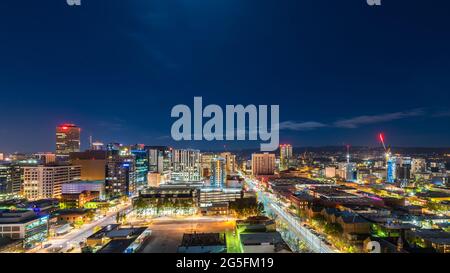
x=210, y=195
x=285, y=156
x=350, y=172
x=92, y=162
x=141, y=161
x=186, y=165
x=41, y=182
x=159, y=158
x=24, y=225
x=81, y=186
x=67, y=140
x=205, y=164
x=46, y=158
x=263, y=164
x=391, y=169
x=230, y=162
x=120, y=171
x=10, y=178
x=218, y=172
x=403, y=170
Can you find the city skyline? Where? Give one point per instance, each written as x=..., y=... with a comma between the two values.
x=383, y=69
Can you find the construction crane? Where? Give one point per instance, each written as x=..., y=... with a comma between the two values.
x=390, y=165
x=387, y=150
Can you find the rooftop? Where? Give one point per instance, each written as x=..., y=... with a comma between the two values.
x=202, y=239
x=259, y=238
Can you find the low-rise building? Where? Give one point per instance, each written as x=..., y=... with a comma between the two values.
x=24, y=225
x=203, y=243
x=78, y=200
x=263, y=242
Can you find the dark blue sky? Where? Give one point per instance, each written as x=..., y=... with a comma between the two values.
x=341, y=71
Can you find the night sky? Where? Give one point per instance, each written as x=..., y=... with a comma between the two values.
x=341, y=70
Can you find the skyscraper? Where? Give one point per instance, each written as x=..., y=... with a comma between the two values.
x=141, y=159
x=159, y=158
x=120, y=171
x=186, y=165
x=285, y=156
x=230, y=162
x=67, y=140
x=218, y=172
x=390, y=168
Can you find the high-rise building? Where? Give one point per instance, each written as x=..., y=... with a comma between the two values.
x=263, y=164
x=40, y=182
x=159, y=158
x=141, y=160
x=120, y=171
x=285, y=156
x=403, y=170
x=391, y=168
x=92, y=162
x=186, y=165
x=230, y=162
x=205, y=164
x=67, y=140
x=10, y=178
x=218, y=172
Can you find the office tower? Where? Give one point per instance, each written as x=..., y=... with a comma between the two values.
x=285, y=156
x=230, y=162
x=67, y=140
x=46, y=158
x=403, y=170
x=218, y=172
x=2, y=156
x=141, y=161
x=120, y=171
x=186, y=165
x=10, y=178
x=40, y=182
x=263, y=164
x=159, y=158
x=92, y=162
x=205, y=164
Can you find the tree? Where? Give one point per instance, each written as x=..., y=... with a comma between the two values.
x=118, y=218
x=333, y=229
x=260, y=209
x=140, y=205
x=318, y=220
x=90, y=214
